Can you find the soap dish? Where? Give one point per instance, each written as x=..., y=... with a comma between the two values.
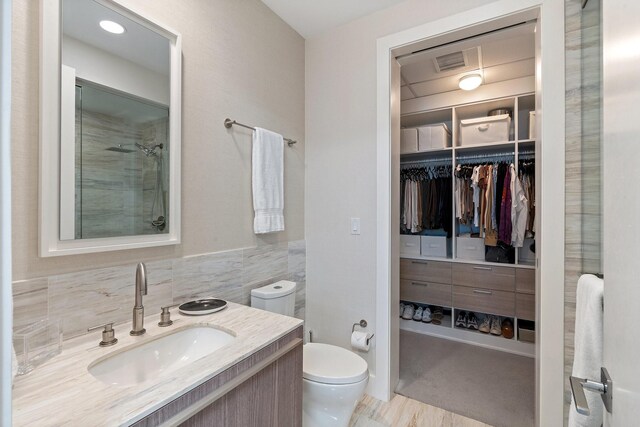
x=201, y=307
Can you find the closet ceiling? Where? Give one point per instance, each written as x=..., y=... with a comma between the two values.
x=501, y=55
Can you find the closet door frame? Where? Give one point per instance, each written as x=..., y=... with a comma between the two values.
x=549, y=189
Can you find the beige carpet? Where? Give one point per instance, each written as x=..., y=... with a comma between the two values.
x=491, y=386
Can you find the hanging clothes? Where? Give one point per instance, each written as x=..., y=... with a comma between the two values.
x=504, y=232
x=519, y=210
x=425, y=202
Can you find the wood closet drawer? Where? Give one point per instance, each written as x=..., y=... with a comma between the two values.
x=526, y=280
x=426, y=271
x=425, y=292
x=484, y=300
x=526, y=306
x=485, y=276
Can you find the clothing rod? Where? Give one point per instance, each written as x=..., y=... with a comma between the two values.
x=228, y=123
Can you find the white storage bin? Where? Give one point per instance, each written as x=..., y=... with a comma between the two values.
x=525, y=254
x=470, y=248
x=409, y=244
x=408, y=141
x=532, y=125
x=485, y=130
x=435, y=246
x=433, y=137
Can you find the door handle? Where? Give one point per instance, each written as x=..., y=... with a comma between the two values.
x=420, y=284
x=482, y=268
x=604, y=387
x=419, y=262
x=478, y=291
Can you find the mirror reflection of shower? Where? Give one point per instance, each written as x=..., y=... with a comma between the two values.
x=122, y=163
x=158, y=207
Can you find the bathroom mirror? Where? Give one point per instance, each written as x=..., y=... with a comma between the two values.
x=110, y=129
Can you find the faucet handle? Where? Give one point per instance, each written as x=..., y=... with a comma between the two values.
x=165, y=316
x=108, y=334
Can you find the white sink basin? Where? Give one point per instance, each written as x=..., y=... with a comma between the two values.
x=137, y=364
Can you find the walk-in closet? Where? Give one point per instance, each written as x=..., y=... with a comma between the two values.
x=468, y=226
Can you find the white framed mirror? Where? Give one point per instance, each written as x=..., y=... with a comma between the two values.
x=110, y=127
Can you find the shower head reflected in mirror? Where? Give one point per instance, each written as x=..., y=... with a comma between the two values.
x=149, y=150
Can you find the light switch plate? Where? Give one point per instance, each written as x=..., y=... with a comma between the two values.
x=355, y=225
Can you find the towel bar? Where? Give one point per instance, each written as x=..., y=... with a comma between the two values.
x=228, y=123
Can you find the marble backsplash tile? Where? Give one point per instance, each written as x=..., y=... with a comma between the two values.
x=91, y=297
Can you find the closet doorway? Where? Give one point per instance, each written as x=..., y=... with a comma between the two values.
x=461, y=244
x=467, y=226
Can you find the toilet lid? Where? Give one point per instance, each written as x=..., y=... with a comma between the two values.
x=330, y=364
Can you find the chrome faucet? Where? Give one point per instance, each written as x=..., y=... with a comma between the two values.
x=138, y=308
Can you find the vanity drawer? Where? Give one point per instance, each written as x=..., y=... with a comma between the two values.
x=526, y=280
x=425, y=292
x=484, y=300
x=485, y=276
x=426, y=271
x=526, y=306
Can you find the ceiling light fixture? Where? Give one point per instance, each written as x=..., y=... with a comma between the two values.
x=470, y=81
x=112, y=27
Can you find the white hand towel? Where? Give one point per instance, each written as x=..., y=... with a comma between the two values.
x=268, y=181
x=587, y=358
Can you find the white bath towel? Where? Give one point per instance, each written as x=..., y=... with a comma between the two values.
x=587, y=358
x=268, y=181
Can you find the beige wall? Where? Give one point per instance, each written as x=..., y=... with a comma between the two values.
x=341, y=166
x=239, y=60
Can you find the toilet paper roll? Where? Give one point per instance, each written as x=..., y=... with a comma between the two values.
x=359, y=340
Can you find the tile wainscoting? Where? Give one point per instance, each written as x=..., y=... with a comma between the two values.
x=91, y=297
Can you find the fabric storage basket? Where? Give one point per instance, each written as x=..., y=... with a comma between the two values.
x=408, y=141
x=433, y=137
x=409, y=244
x=485, y=130
x=435, y=246
x=470, y=248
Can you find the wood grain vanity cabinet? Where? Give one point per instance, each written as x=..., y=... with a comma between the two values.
x=263, y=390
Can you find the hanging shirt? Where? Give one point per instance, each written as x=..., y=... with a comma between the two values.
x=519, y=210
x=504, y=233
x=476, y=195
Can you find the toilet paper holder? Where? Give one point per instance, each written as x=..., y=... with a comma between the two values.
x=363, y=324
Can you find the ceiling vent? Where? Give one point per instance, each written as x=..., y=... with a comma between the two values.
x=450, y=61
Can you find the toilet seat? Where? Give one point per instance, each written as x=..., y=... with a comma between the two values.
x=330, y=364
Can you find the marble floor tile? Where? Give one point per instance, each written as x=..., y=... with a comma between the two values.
x=404, y=412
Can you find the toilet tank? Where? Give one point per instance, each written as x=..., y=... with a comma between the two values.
x=279, y=297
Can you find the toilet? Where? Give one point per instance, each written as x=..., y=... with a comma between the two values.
x=334, y=379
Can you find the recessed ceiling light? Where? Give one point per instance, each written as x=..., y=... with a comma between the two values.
x=112, y=27
x=470, y=81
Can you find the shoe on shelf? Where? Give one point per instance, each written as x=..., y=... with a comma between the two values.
x=437, y=313
x=507, y=328
x=417, y=315
x=485, y=325
x=407, y=314
x=472, y=321
x=496, y=329
x=401, y=308
x=426, y=315
x=461, y=320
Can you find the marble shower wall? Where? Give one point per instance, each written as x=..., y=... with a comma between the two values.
x=583, y=214
x=91, y=297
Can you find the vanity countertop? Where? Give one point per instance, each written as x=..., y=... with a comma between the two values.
x=62, y=392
